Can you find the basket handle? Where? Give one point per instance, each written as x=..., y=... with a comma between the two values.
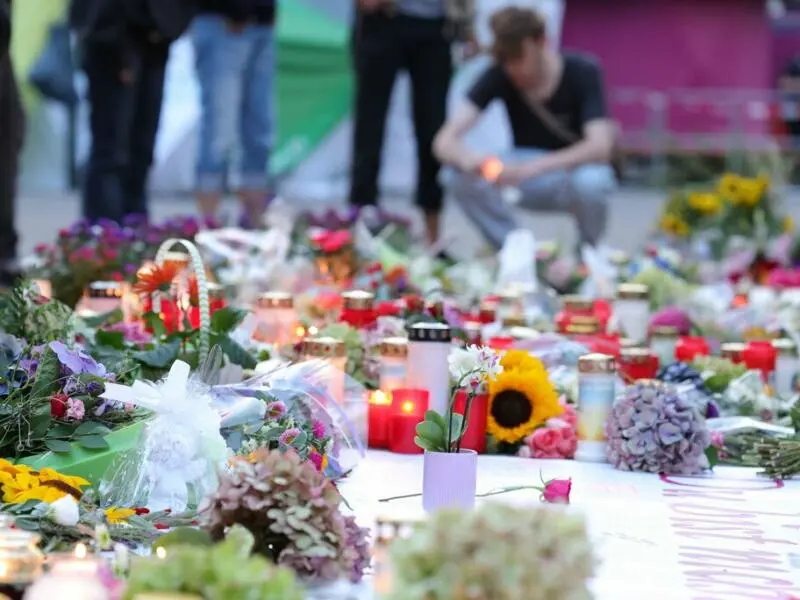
x=202, y=289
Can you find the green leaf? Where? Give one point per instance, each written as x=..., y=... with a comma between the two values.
x=61, y=431
x=235, y=352
x=58, y=446
x=92, y=428
x=48, y=376
x=457, y=421
x=183, y=536
x=97, y=321
x=110, y=339
x=435, y=417
x=27, y=524
x=153, y=322
x=227, y=319
x=40, y=424
x=431, y=431
x=159, y=357
x=428, y=445
x=93, y=442
x=717, y=383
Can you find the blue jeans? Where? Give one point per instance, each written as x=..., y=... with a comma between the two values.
x=582, y=192
x=236, y=73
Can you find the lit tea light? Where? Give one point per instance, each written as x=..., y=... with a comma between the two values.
x=491, y=169
x=80, y=551
x=409, y=407
x=161, y=552
x=379, y=413
x=380, y=397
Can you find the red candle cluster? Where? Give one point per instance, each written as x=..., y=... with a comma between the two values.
x=760, y=356
x=408, y=410
x=379, y=413
x=688, y=347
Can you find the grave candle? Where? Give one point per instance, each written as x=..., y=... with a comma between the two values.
x=785, y=366
x=662, y=342
x=596, y=393
x=632, y=310
x=101, y=297
x=637, y=363
x=429, y=345
x=216, y=301
x=761, y=356
x=276, y=319
x=688, y=347
x=475, y=435
x=334, y=352
x=575, y=310
x=393, y=366
x=408, y=410
x=20, y=560
x=358, y=309
x=379, y=414
x=732, y=351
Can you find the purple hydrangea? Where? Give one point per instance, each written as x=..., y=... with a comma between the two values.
x=77, y=362
x=357, y=548
x=657, y=428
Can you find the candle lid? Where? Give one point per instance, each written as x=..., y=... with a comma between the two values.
x=629, y=343
x=633, y=291
x=635, y=356
x=395, y=347
x=619, y=258
x=582, y=328
x=785, y=346
x=105, y=289
x=275, y=300
x=358, y=299
x=523, y=333
x=181, y=259
x=732, y=350
x=596, y=363
x=577, y=303
x=514, y=321
x=431, y=331
x=324, y=347
x=665, y=331
x=215, y=291
x=509, y=296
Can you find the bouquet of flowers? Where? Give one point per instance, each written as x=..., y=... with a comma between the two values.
x=84, y=253
x=559, y=269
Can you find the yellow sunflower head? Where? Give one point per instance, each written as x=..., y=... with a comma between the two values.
x=118, y=516
x=521, y=360
x=519, y=402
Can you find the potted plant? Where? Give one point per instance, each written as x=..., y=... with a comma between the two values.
x=450, y=472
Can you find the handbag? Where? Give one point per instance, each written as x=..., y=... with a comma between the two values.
x=554, y=125
x=53, y=73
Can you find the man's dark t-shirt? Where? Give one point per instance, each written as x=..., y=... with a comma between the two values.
x=578, y=99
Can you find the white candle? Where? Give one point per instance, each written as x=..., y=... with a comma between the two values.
x=276, y=318
x=66, y=587
x=334, y=352
x=429, y=345
x=393, y=364
x=632, y=310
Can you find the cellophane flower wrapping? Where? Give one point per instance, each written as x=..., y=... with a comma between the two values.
x=181, y=450
x=658, y=428
x=310, y=408
x=555, y=350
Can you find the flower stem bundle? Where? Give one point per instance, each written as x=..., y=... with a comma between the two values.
x=780, y=459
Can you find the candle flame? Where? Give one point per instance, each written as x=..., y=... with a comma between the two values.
x=408, y=407
x=313, y=330
x=491, y=169
x=300, y=331
x=380, y=397
x=161, y=552
x=80, y=551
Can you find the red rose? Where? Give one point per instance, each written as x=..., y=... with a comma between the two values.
x=414, y=304
x=374, y=268
x=58, y=405
x=142, y=511
x=556, y=491
x=387, y=309
x=336, y=241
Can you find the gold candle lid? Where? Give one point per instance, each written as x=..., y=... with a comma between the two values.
x=665, y=331
x=324, y=347
x=633, y=291
x=180, y=259
x=105, y=289
x=596, y=363
x=275, y=300
x=579, y=303
x=582, y=329
x=514, y=321
x=358, y=299
x=523, y=333
x=509, y=296
x=732, y=350
x=785, y=346
x=396, y=347
x=215, y=291
x=627, y=343
x=635, y=356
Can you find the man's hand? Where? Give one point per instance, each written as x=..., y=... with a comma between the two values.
x=369, y=6
x=514, y=175
x=471, y=164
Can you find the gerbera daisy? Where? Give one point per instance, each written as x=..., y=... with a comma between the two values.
x=156, y=278
x=519, y=402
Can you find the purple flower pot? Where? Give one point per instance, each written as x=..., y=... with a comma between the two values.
x=449, y=480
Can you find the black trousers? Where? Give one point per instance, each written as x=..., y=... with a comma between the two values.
x=124, y=122
x=382, y=47
x=12, y=135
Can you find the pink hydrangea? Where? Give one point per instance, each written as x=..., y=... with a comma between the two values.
x=75, y=409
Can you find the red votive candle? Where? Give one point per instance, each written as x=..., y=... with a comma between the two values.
x=379, y=413
x=688, y=347
x=475, y=435
x=761, y=356
x=637, y=363
x=408, y=410
x=358, y=309
x=170, y=314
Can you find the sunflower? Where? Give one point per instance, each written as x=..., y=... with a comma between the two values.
x=522, y=360
x=705, y=203
x=519, y=402
x=118, y=516
x=155, y=278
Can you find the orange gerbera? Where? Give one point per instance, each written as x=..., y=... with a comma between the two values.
x=156, y=278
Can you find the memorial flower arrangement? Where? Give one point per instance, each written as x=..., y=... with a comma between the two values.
x=294, y=513
x=658, y=428
x=84, y=253
x=560, y=269
x=531, y=553
x=558, y=438
x=522, y=398
x=224, y=571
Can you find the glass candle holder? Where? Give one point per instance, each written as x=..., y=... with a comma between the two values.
x=101, y=297
x=429, y=345
x=334, y=352
x=632, y=310
x=662, y=343
x=786, y=366
x=393, y=366
x=732, y=351
x=514, y=321
x=637, y=363
x=379, y=414
x=689, y=346
x=276, y=318
x=21, y=560
x=509, y=304
x=761, y=355
x=180, y=260
x=408, y=410
x=487, y=313
x=596, y=394
x=574, y=311
x=472, y=333
x=358, y=309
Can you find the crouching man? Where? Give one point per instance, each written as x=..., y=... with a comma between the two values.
x=563, y=138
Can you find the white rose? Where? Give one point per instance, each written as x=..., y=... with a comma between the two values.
x=64, y=511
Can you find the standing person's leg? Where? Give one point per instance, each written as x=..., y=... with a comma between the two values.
x=378, y=58
x=144, y=127
x=12, y=123
x=220, y=57
x=430, y=67
x=256, y=123
x=111, y=103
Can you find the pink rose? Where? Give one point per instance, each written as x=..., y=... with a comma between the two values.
x=556, y=491
x=718, y=439
x=569, y=416
x=568, y=444
x=544, y=443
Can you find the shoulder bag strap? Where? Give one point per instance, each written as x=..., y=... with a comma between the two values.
x=550, y=121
